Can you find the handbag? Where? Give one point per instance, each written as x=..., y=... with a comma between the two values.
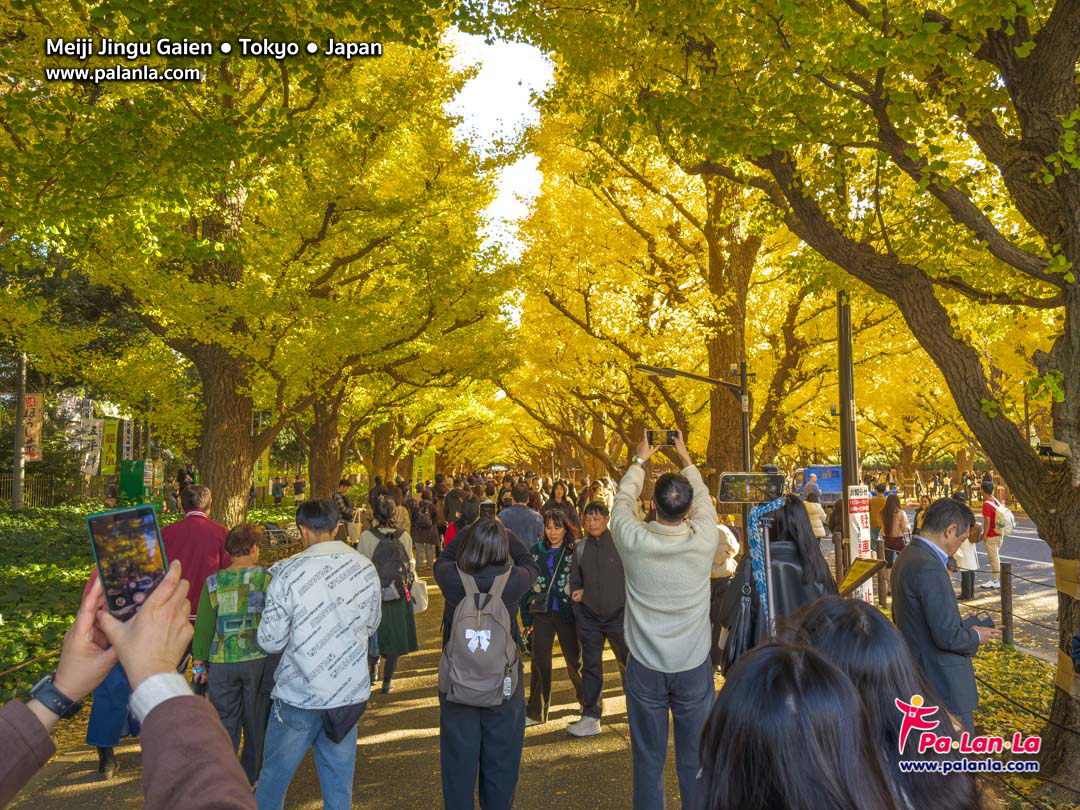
x=739, y=637
x=419, y=594
x=541, y=602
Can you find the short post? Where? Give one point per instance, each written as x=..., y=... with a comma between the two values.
x=881, y=574
x=838, y=555
x=1006, y=604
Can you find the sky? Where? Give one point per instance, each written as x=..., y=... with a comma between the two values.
x=497, y=103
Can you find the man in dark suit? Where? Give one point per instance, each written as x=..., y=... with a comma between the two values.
x=196, y=541
x=925, y=609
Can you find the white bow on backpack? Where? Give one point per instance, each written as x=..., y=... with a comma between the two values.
x=481, y=638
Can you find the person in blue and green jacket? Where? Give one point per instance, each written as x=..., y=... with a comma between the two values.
x=547, y=609
x=225, y=654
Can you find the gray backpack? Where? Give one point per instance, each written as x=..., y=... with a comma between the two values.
x=480, y=663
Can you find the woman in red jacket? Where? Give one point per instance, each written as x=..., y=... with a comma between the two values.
x=470, y=511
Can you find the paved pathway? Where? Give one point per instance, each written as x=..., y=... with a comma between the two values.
x=397, y=763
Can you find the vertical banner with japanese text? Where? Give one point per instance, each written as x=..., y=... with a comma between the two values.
x=108, y=446
x=127, y=439
x=858, y=498
x=33, y=425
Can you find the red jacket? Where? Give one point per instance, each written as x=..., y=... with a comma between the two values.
x=199, y=544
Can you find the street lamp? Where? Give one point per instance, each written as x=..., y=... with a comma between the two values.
x=740, y=392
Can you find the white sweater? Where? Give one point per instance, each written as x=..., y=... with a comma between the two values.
x=321, y=606
x=667, y=577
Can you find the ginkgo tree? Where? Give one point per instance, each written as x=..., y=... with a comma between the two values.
x=255, y=222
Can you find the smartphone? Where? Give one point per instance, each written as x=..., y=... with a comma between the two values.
x=130, y=556
x=750, y=487
x=662, y=438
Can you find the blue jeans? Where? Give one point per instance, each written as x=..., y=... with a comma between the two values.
x=289, y=735
x=649, y=696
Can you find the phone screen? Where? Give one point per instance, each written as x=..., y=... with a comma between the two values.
x=130, y=557
x=662, y=438
x=750, y=487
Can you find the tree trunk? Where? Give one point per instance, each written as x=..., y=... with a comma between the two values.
x=225, y=457
x=731, y=261
x=325, y=461
x=378, y=460
x=905, y=465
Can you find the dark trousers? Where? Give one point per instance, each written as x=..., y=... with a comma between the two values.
x=592, y=630
x=967, y=584
x=482, y=742
x=236, y=691
x=546, y=626
x=716, y=596
x=650, y=695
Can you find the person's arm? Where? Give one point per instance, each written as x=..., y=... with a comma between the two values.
x=85, y=659
x=943, y=621
x=276, y=622
x=187, y=756
x=575, y=571
x=205, y=623
x=624, y=522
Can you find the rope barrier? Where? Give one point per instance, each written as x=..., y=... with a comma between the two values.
x=31, y=661
x=1027, y=709
x=1017, y=616
x=1035, y=581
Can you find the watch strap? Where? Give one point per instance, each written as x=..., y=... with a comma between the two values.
x=46, y=693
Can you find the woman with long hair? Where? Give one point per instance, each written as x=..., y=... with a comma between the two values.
x=920, y=513
x=894, y=527
x=788, y=731
x=482, y=742
x=869, y=649
x=562, y=500
x=799, y=576
x=397, y=628
x=548, y=609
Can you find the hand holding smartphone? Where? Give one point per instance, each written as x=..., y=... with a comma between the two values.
x=662, y=438
x=130, y=557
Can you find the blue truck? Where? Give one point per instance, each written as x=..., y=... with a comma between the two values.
x=828, y=481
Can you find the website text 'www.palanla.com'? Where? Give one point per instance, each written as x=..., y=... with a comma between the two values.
x=121, y=73
x=966, y=765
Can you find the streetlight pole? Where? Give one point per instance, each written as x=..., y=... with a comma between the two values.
x=741, y=392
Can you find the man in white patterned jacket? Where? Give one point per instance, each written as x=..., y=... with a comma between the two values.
x=321, y=606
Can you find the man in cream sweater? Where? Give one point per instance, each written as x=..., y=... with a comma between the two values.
x=667, y=564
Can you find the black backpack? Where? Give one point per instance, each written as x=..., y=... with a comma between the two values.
x=391, y=564
x=423, y=515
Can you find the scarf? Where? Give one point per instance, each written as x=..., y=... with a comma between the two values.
x=757, y=550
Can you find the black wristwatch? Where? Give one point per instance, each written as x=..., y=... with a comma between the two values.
x=45, y=693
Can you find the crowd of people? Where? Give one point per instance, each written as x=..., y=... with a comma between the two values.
x=288, y=655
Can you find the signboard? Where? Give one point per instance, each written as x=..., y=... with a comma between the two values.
x=108, y=446
x=33, y=424
x=262, y=469
x=861, y=570
x=858, y=500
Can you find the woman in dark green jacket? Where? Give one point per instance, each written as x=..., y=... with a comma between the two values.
x=547, y=609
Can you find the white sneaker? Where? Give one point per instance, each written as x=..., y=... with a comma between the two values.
x=532, y=721
x=990, y=583
x=585, y=727
x=995, y=583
